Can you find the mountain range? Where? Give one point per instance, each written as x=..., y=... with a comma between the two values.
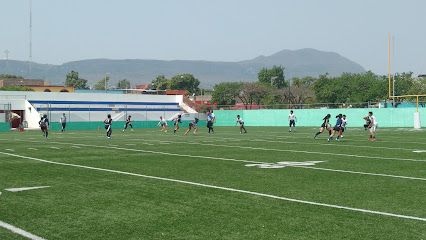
x=297, y=63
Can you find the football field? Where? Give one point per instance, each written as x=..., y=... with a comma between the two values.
x=266, y=184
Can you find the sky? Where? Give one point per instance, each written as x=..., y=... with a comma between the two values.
x=218, y=30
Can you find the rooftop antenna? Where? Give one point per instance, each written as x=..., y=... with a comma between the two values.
x=31, y=43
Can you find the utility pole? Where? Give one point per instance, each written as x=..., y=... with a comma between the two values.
x=7, y=60
x=7, y=54
x=106, y=82
x=31, y=41
x=289, y=93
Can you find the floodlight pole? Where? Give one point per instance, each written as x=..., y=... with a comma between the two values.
x=389, y=65
x=31, y=39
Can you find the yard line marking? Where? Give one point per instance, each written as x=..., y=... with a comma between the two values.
x=150, y=144
x=323, y=144
x=363, y=173
x=20, y=231
x=224, y=188
x=54, y=147
x=297, y=151
x=9, y=150
x=230, y=159
x=130, y=144
x=32, y=148
x=24, y=188
x=419, y=151
x=75, y=147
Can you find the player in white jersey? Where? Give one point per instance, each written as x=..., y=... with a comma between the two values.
x=344, y=123
x=241, y=122
x=292, y=118
x=372, y=127
x=163, y=124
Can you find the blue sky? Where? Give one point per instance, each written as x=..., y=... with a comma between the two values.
x=216, y=30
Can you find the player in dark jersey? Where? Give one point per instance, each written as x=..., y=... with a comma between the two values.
x=176, y=122
x=367, y=122
x=44, y=126
x=128, y=123
x=193, y=124
x=108, y=123
x=337, y=127
x=209, y=121
x=325, y=125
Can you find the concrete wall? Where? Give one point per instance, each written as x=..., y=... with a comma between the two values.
x=91, y=107
x=31, y=115
x=386, y=117
x=63, y=96
x=4, y=127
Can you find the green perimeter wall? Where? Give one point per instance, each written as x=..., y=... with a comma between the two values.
x=4, y=127
x=55, y=126
x=386, y=117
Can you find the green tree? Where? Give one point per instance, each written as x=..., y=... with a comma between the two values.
x=16, y=88
x=272, y=78
x=101, y=84
x=9, y=76
x=185, y=82
x=403, y=83
x=226, y=93
x=418, y=87
x=74, y=81
x=350, y=87
x=253, y=93
x=160, y=83
x=123, y=84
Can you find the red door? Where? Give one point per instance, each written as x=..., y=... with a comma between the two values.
x=17, y=121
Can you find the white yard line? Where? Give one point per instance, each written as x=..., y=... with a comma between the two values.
x=32, y=148
x=8, y=149
x=295, y=151
x=20, y=231
x=363, y=173
x=230, y=159
x=75, y=147
x=54, y=147
x=226, y=189
x=318, y=143
x=24, y=188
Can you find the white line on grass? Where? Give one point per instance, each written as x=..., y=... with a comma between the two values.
x=296, y=151
x=32, y=148
x=230, y=159
x=54, y=147
x=20, y=231
x=318, y=143
x=225, y=188
x=24, y=188
x=75, y=147
x=11, y=150
x=363, y=173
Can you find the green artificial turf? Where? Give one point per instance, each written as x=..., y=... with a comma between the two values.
x=84, y=203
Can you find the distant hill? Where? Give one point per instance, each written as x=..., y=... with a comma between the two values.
x=298, y=63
